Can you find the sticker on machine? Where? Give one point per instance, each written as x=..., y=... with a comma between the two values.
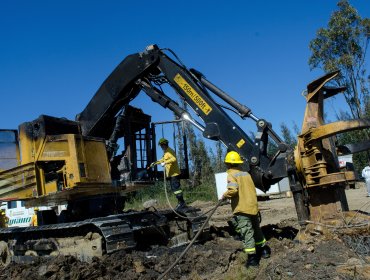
x=188, y=89
x=240, y=143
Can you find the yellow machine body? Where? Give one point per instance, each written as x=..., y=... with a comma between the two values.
x=57, y=168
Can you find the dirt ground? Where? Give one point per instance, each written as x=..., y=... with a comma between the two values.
x=340, y=253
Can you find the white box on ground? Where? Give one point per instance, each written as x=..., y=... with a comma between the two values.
x=274, y=189
x=284, y=185
x=221, y=183
x=344, y=159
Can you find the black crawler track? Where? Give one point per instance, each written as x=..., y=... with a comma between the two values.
x=116, y=232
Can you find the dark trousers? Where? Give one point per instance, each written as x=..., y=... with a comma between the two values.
x=249, y=228
x=176, y=188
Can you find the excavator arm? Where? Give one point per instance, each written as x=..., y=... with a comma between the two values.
x=312, y=169
x=147, y=71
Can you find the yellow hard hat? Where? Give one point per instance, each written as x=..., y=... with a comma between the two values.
x=36, y=209
x=163, y=141
x=233, y=157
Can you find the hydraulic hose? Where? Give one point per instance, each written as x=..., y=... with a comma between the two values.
x=173, y=209
x=192, y=241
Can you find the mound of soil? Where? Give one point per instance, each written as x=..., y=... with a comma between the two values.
x=203, y=261
x=339, y=254
x=318, y=257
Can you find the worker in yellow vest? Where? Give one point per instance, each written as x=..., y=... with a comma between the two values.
x=172, y=171
x=33, y=222
x=242, y=193
x=4, y=220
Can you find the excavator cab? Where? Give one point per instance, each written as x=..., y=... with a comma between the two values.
x=9, y=149
x=133, y=147
x=136, y=149
x=52, y=163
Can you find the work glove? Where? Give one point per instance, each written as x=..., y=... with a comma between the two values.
x=163, y=163
x=223, y=201
x=151, y=165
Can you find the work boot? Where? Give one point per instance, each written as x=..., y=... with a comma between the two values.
x=181, y=202
x=253, y=260
x=181, y=206
x=264, y=252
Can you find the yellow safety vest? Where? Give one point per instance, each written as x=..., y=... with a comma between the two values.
x=242, y=192
x=34, y=220
x=172, y=167
x=3, y=221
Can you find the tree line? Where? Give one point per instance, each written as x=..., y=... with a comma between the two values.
x=342, y=45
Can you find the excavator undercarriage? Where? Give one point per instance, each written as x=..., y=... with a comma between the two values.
x=98, y=236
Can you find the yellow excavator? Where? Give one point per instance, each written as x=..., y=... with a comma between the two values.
x=55, y=161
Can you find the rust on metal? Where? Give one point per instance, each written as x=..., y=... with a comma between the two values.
x=316, y=154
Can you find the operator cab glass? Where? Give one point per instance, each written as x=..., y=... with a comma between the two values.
x=9, y=152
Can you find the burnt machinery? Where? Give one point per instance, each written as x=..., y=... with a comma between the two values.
x=77, y=162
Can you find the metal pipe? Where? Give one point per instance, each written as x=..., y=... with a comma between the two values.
x=243, y=110
x=185, y=116
x=167, y=122
x=253, y=117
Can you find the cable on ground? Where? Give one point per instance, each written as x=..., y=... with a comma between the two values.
x=192, y=241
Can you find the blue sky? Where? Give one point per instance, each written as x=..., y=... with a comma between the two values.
x=54, y=55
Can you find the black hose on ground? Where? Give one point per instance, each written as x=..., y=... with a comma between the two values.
x=192, y=241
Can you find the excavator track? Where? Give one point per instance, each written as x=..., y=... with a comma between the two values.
x=96, y=237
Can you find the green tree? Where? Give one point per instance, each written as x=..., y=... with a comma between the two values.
x=217, y=158
x=201, y=167
x=179, y=135
x=220, y=155
x=342, y=46
x=287, y=135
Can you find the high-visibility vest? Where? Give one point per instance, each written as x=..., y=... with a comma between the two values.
x=34, y=220
x=242, y=192
x=171, y=167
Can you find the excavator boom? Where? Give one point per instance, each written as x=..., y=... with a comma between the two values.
x=144, y=71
